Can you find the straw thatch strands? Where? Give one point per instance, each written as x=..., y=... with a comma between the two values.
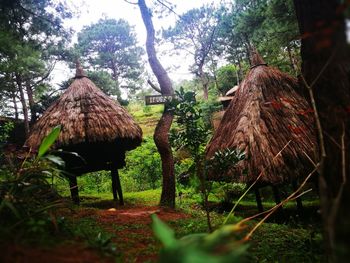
x=265, y=115
x=93, y=125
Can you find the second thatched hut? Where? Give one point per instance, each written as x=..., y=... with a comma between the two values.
x=272, y=124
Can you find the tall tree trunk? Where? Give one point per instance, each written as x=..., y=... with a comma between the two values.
x=115, y=77
x=15, y=107
x=240, y=70
x=326, y=67
x=24, y=104
x=161, y=137
x=291, y=60
x=204, y=81
x=248, y=48
x=31, y=102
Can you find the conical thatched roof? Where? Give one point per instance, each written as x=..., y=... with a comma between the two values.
x=264, y=115
x=93, y=124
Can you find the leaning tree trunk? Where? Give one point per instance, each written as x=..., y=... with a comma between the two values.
x=161, y=137
x=326, y=68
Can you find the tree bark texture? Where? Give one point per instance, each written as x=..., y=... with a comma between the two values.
x=24, y=104
x=31, y=102
x=293, y=66
x=15, y=106
x=204, y=80
x=326, y=68
x=161, y=133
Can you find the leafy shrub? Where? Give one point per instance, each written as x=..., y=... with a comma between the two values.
x=208, y=108
x=5, y=130
x=96, y=182
x=225, y=160
x=25, y=193
x=143, y=168
x=228, y=192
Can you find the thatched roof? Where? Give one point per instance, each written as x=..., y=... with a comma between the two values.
x=264, y=115
x=232, y=91
x=88, y=118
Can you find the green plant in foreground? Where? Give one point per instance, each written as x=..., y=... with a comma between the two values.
x=26, y=192
x=216, y=247
x=192, y=136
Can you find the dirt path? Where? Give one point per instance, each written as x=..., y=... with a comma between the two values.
x=133, y=233
x=130, y=225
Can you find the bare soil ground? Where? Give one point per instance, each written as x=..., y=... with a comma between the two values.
x=133, y=236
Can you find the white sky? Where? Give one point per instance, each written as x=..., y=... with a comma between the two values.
x=92, y=10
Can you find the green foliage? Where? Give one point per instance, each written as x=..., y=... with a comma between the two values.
x=104, y=81
x=226, y=78
x=191, y=133
x=147, y=119
x=196, y=32
x=5, y=130
x=93, y=235
x=143, y=167
x=192, y=136
x=96, y=182
x=283, y=243
x=25, y=193
x=110, y=45
x=198, y=247
x=271, y=26
x=209, y=107
x=49, y=140
x=228, y=192
x=31, y=35
x=225, y=160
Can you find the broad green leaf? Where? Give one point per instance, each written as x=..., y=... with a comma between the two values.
x=49, y=140
x=163, y=232
x=55, y=159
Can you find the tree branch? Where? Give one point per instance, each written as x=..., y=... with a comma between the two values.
x=168, y=7
x=129, y=2
x=153, y=86
x=47, y=74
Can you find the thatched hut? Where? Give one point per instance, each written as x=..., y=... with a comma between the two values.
x=265, y=115
x=94, y=126
x=225, y=100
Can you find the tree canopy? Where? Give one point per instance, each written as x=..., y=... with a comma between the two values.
x=110, y=45
x=196, y=32
x=31, y=39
